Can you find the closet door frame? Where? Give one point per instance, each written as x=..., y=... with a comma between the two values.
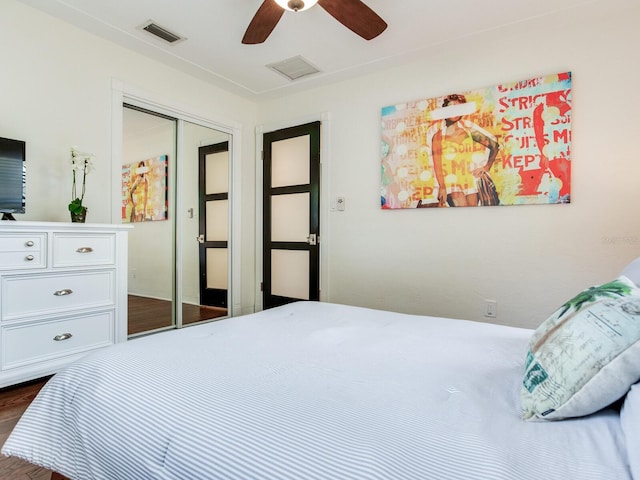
x=121, y=94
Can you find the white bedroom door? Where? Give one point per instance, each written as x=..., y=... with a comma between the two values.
x=291, y=215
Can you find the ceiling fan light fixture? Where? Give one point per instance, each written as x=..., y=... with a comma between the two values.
x=296, y=5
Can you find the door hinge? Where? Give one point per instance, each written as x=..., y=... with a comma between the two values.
x=262, y=286
x=262, y=155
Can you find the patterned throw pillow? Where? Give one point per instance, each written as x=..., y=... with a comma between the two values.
x=586, y=355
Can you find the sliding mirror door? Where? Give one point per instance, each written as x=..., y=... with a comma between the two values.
x=176, y=194
x=204, y=226
x=148, y=170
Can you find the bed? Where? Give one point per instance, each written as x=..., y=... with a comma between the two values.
x=319, y=391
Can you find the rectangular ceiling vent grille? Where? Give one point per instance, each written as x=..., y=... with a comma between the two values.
x=161, y=32
x=294, y=68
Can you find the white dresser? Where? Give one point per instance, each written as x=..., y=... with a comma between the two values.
x=63, y=293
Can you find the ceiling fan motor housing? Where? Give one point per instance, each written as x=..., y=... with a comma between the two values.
x=295, y=5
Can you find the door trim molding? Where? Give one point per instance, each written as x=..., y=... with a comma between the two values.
x=325, y=240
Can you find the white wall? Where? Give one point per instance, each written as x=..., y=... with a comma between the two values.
x=529, y=258
x=56, y=91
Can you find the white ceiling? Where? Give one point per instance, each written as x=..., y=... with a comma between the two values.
x=214, y=29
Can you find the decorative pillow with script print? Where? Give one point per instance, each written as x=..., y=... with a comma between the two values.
x=585, y=356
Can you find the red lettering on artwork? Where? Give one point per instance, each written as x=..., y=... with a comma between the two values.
x=562, y=135
x=516, y=123
x=421, y=193
x=503, y=103
x=526, y=142
x=526, y=102
x=522, y=162
x=517, y=161
x=531, y=83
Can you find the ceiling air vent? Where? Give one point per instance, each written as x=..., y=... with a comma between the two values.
x=294, y=68
x=161, y=32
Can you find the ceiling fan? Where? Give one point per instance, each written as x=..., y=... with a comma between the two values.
x=353, y=14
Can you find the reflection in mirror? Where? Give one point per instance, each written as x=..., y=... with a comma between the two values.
x=204, y=226
x=148, y=153
x=177, y=256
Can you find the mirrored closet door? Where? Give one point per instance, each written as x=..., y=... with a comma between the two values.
x=175, y=194
x=204, y=228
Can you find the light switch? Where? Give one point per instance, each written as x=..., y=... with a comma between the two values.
x=340, y=204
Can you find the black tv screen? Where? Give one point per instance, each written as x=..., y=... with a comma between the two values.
x=12, y=176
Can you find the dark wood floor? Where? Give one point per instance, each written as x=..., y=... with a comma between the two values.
x=144, y=314
x=149, y=313
x=13, y=402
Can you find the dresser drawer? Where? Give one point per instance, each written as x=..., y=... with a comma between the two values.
x=22, y=251
x=55, y=293
x=73, y=250
x=34, y=342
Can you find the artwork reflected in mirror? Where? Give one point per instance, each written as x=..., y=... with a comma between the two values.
x=144, y=190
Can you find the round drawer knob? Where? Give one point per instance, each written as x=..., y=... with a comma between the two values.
x=29, y=258
x=29, y=243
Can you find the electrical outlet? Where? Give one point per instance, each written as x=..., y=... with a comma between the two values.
x=490, y=308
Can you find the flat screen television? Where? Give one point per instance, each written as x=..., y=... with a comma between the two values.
x=12, y=177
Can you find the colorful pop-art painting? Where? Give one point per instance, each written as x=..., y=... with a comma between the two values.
x=144, y=190
x=508, y=144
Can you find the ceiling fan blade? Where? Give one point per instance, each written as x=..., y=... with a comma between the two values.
x=263, y=22
x=356, y=16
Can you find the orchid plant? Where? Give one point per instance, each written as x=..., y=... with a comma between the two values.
x=81, y=165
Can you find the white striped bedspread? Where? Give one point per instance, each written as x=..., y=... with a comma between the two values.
x=311, y=391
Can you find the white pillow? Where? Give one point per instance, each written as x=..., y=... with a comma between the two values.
x=632, y=271
x=585, y=355
x=630, y=421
